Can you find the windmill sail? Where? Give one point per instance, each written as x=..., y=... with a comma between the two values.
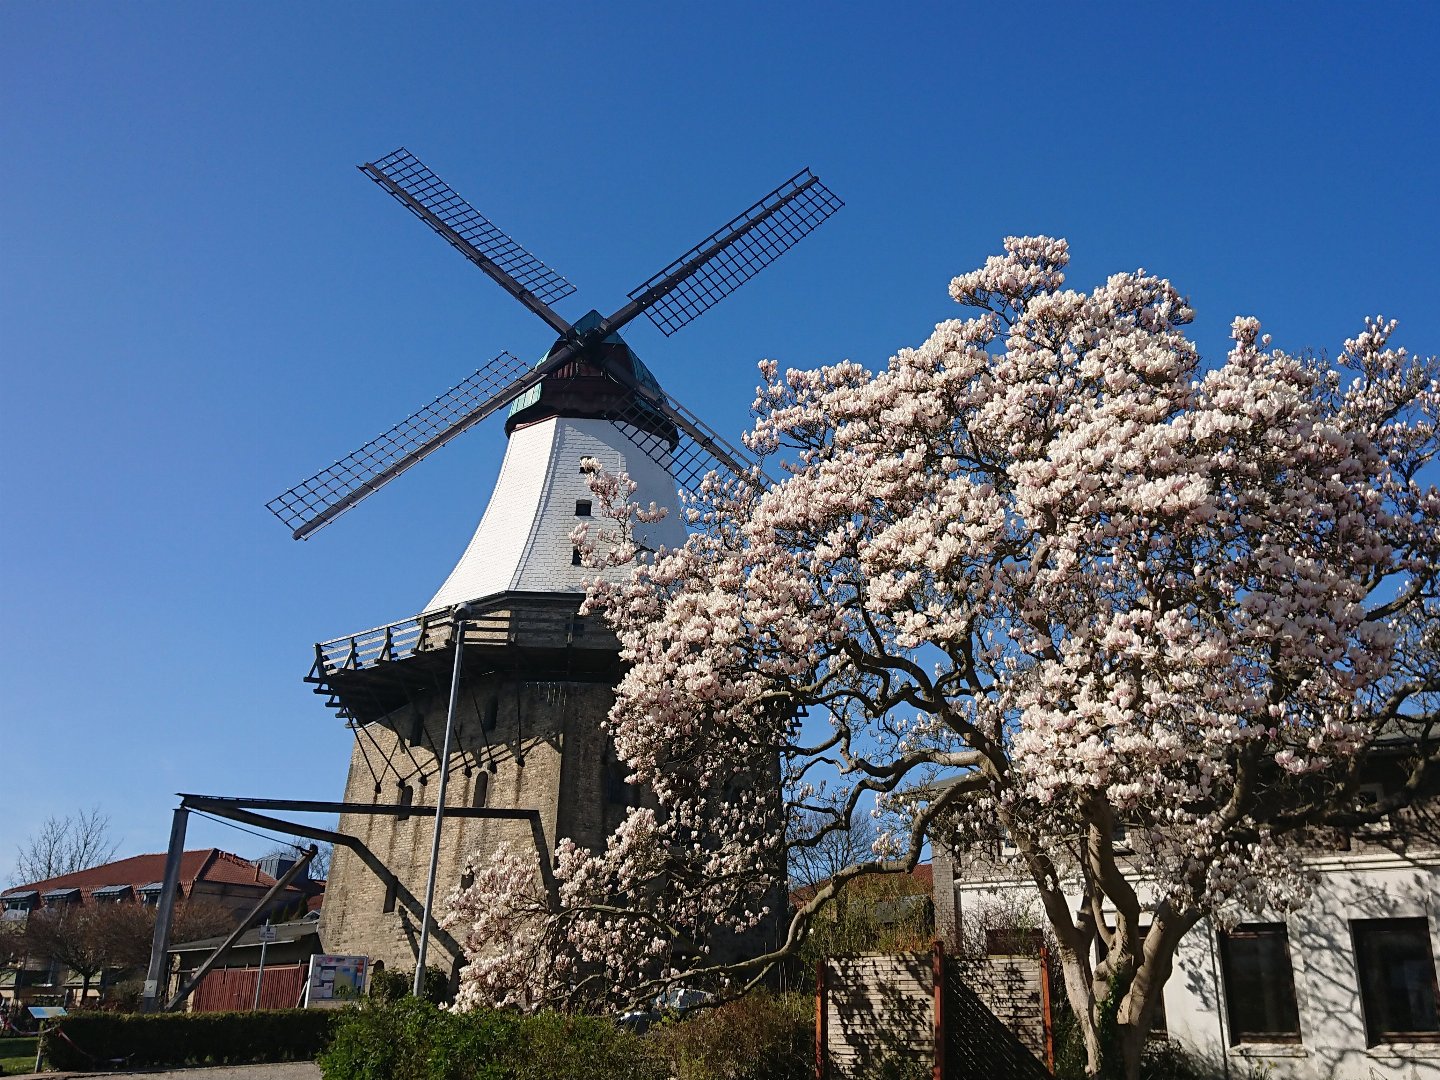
x=330, y=492
x=733, y=254
x=471, y=233
x=664, y=430
x=699, y=450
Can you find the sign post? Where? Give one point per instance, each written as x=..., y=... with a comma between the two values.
x=41, y=1013
x=267, y=935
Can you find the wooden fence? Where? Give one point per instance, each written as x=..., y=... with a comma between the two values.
x=233, y=989
x=916, y=1014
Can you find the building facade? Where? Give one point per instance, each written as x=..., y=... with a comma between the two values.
x=1344, y=987
x=217, y=888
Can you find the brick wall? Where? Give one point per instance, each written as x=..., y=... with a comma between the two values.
x=547, y=752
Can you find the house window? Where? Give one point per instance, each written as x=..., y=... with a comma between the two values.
x=575, y=557
x=582, y=507
x=17, y=906
x=1397, y=979
x=1259, y=984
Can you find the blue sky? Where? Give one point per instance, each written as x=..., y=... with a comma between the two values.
x=202, y=302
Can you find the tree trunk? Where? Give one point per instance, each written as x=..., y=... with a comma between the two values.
x=1083, y=1004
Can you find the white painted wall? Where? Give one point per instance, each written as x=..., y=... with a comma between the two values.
x=522, y=542
x=1327, y=991
x=1327, y=988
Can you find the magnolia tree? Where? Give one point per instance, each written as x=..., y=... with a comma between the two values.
x=1042, y=573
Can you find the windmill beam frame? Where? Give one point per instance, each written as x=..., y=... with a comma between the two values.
x=425, y=449
x=637, y=306
x=470, y=251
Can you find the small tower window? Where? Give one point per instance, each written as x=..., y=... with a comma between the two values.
x=482, y=789
x=575, y=559
x=407, y=799
x=582, y=507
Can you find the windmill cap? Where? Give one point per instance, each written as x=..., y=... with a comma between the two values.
x=580, y=389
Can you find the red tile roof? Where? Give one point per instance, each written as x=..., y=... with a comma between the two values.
x=205, y=864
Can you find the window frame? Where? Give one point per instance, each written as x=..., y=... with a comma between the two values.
x=1257, y=931
x=1360, y=929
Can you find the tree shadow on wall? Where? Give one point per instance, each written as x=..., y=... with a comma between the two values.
x=884, y=1024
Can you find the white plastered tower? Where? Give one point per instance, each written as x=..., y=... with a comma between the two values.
x=523, y=541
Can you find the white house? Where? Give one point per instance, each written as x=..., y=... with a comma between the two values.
x=1345, y=988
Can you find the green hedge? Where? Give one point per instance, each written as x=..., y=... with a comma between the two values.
x=414, y=1040
x=96, y=1040
x=761, y=1037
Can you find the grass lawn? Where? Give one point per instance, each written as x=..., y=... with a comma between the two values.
x=17, y=1056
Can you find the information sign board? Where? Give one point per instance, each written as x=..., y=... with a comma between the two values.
x=335, y=980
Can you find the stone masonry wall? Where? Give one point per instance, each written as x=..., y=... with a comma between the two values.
x=548, y=753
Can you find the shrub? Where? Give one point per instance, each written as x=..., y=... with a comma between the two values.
x=551, y=1046
x=89, y=1039
x=411, y=1039
x=758, y=1037
x=386, y=985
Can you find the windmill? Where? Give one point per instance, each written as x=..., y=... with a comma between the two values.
x=588, y=368
x=530, y=755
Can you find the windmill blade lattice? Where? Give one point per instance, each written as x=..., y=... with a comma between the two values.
x=332, y=491
x=412, y=176
x=736, y=252
x=699, y=451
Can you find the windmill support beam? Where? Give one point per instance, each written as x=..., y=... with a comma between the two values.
x=240, y=809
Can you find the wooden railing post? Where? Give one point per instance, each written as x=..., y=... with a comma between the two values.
x=820, y=1020
x=938, y=969
x=1045, y=1017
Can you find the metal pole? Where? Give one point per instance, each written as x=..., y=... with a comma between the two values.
x=159, y=958
x=260, y=975
x=460, y=613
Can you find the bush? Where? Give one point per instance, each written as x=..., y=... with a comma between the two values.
x=90, y=1039
x=386, y=985
x=551, y=1046
x=414, y=1040
x=758, y=1037
x=411, y=1039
